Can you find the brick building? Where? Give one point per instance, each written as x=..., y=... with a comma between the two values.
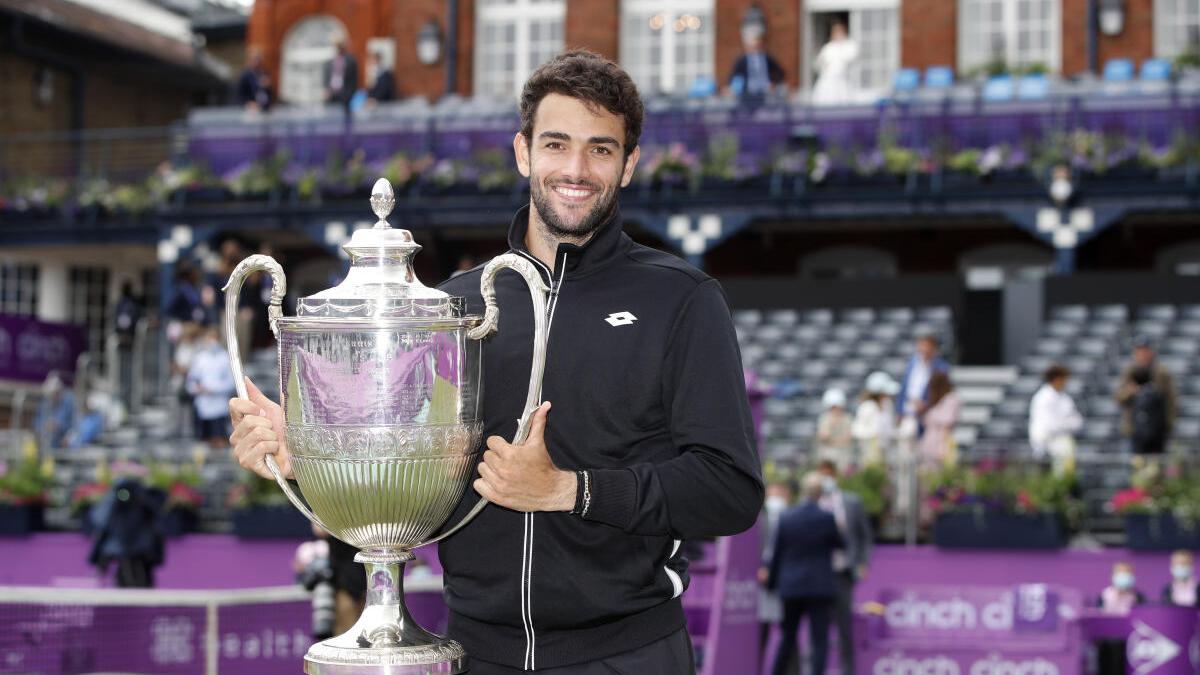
x=667, y=44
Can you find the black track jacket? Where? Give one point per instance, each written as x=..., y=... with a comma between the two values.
x=646, y=382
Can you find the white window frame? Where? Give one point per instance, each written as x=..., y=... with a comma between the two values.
x=90, y=300
x=670, y=11
x=1168, y=24
x=19, y=288
x=522, y=14
x=812, y=42
x=312, y=58
x=1012, y=29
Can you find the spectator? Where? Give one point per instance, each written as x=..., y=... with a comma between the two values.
x=921, y=366
x=874, y=422
x=128, y=312
x=210, y=382
x=851, y=564
x=756, y=73
x=181, y=361
x=188, y=304
x=1118, y=598
x=384, y=87
x=1148, y=397
x=253, y=87
x=90, y=424
x=770, y=607
x=801, y=571
x=1181, y=590
x=341, y=77
x=835, y=442
x=936, y=447
x=833, y=85
x=55, y=413
x=125, y=533
x=1054, y=420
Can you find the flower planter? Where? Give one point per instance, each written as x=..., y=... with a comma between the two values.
x=271, y=522
x=20, y=519
x=177, y=522
x=999, y=531
x=1159, y=532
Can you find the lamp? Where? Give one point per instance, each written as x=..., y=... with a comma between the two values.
x=1112, y=16
x=429, y=43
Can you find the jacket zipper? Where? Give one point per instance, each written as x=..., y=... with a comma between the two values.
x=527, y=548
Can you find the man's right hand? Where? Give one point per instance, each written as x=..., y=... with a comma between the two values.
x=258, y=432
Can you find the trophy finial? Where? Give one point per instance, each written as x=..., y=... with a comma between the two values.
x=383, y=200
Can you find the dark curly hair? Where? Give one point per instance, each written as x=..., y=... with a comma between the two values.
x=590, y=78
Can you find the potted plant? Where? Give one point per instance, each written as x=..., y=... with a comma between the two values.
x=669, y=169
x=23, y=488
x=258, y=180
x=872, y=486
x=1161, y=513
x=180, y=513
x=993, y=506
x=261, y=511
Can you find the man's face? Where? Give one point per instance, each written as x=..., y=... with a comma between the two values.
x=1143, y=356
x=926, y=349
x=575, y=163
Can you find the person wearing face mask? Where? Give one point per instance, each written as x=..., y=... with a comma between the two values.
x=1181, y=591
x=849, y=564
x=1118, y=598
x=770, y=607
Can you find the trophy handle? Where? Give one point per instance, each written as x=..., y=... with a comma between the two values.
x=491, y=322
x=233, y=288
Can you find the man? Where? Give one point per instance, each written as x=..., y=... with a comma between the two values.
x=210, y=382
x=850, y=564
x=574, y=569
x=384, y=87
x=801, y=572
x=770, y=607
x=756, y=73
x=1147, y=394
x=341, y=76
x=1054, y=420
x=914, y=388
x=252, y=91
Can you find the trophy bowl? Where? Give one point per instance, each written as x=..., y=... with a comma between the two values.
x=379, y=381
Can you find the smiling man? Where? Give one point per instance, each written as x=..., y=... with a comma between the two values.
x=576, y=567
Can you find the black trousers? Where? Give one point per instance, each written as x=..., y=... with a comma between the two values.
x=818, y=611
x=671, y=655
x=843, y=621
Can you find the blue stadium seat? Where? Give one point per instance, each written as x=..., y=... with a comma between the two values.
x=1118, y=70
x=1033, y=88
x=939, y=77
x=1154, y=70
x=702, y=87
x=906, y=79
x=998, y=88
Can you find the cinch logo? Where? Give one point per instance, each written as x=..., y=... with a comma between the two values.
x=47, y=350
x=953, y=614
x=898, y=664
x=994, y=665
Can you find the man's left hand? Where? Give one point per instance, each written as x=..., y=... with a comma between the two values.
x=523, y=477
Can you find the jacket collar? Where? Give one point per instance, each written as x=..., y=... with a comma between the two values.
x=604, y=247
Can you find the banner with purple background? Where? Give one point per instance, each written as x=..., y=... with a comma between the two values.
x=31, y=349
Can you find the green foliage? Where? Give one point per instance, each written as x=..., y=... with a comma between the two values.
x=720, y=160
x=261, y=176
x=496, y=172
x=990, y=486
x=871, y=485
x=26, y=481
x=251, y=490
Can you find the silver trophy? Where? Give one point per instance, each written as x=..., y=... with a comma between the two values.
x=379, y=380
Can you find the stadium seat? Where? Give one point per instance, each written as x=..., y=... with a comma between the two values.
x=1033, y=88
x=939, y=77
x=1159, y=312
x=1075, y=313
x=783, y=317
x=1156, y=70
x=1118, y=70
x=906, y=80
x=998, y=88
x=936, y=313
x=1111, y=313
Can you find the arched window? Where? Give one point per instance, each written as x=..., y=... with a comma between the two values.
x=307, y=48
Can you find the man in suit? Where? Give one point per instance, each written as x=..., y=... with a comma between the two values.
x=770, y=607
x=756, y=73
x=384, y=88
x=801, y=572
x=850, y=564
x=914, y=388
x=341, y=77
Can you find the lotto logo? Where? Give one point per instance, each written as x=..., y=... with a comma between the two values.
x=621, y=319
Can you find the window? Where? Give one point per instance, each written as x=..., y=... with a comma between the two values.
x=513, y=38
x=1176, y=27
x=307, y=48
x=1013, y=32
x=873, y=25
x=89, y=304
x=667, y=44
x=18, y=289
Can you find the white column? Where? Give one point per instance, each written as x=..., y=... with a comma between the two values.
x=54, y=292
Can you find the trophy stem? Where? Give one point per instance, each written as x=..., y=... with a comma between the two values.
x=385, y=633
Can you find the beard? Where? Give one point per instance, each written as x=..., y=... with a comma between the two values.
x=587, y=225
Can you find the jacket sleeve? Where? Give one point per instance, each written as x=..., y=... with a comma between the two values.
x=714, y=486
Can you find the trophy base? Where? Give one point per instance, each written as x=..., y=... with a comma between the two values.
x=385, y=640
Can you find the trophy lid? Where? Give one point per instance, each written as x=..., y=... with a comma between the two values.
x=381, y=282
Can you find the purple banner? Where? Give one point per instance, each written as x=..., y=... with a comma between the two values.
x=1163, y=641
x=264, y=638
x=30, y=349
x=730, y=632
x=922, y=614
x=920, y=661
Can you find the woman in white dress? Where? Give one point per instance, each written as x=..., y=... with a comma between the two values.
x=833, y=68
x=874, y=421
